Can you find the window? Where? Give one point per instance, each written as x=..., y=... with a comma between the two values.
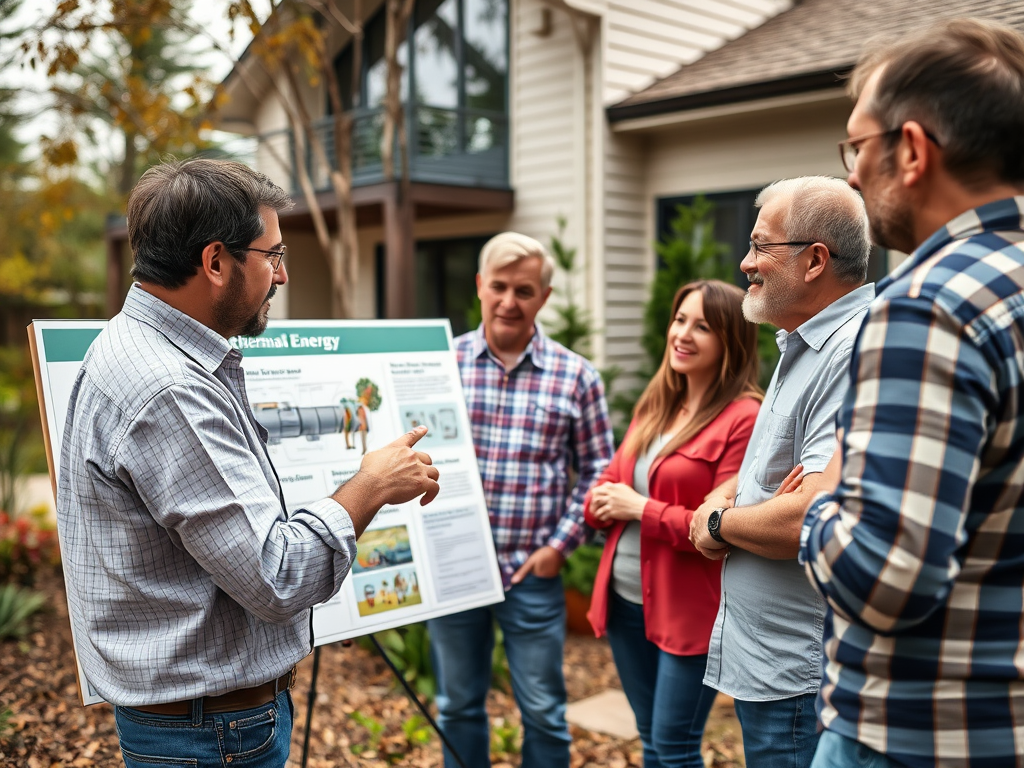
x=734, y=216
x=446, y=278
x=459, y=59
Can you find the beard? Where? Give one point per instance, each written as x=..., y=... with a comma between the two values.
x=771, y=301
x=892, y=224
x=890, y=216
x=231, y=312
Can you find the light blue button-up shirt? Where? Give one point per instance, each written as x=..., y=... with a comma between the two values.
x=766, y=643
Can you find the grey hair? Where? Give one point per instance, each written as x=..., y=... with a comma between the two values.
x=179, y=207
x=509, y=247
x=829, y=211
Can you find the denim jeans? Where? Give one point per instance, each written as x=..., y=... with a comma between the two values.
x=666, y=691
x=779, y=734
x=532, y=620
x=254, y=738
x=837, y=751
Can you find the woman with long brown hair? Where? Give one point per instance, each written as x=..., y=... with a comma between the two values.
x=655, y=596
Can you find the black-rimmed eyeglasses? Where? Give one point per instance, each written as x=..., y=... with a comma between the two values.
x=850, y=148
x=276, y=256
x=763, y=249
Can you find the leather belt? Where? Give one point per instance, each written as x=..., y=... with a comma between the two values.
x=243, y=698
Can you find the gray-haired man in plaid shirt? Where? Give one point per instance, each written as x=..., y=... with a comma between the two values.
x=920, y=550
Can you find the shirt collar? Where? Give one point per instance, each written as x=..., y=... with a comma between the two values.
x=1000, y=215
x=200, y=342
x=816, y=331
x=538, y=349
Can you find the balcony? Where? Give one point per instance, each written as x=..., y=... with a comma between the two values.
x=452, y=146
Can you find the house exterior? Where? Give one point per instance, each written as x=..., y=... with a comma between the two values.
x=768, y=105
x=526, y=84
x=606, y=112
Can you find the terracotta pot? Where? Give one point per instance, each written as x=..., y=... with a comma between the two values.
x=576, y=606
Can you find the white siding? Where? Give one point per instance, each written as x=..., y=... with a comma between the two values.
x=647, y=40
x=729, y=154
x=625, y=249
x=546, y=115
x=747, y=151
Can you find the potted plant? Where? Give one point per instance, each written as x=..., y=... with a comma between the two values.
x=578, y=576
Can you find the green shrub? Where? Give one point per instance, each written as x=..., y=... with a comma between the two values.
x=17, y=605
x=504, y=740
x=580, y=568
x=408, y=648
x=374, y=732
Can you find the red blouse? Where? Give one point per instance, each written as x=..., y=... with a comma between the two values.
x=681, y=587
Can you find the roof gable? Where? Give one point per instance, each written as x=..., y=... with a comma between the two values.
x=808, y=47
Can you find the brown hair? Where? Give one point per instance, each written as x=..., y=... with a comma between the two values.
x=179, y=207
x=963, y=80
x=666, y=392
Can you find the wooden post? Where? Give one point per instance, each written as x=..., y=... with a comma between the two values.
x=115, y=274
x=399, y=254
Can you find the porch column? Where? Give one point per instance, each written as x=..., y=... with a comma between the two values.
x=399, y=255
x=115, y=274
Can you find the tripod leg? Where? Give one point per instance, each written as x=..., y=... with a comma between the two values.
x=416, y=699
x=309, y=705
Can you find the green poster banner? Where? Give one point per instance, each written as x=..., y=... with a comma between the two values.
x=284, y=341
x=65, y=345
x=70, y=344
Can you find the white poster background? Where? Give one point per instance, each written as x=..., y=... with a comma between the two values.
x=413, y=562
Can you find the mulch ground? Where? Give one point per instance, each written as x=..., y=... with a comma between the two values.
x=360, y=719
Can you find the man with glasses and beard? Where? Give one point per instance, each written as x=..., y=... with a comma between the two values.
x=920, y=549
x=190, y=585
x=807, y=264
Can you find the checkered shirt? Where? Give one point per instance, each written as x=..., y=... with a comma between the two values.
x=185, y=575
x=920, y=552
x=530, y=425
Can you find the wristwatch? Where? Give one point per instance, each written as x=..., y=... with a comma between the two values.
x=715, y=523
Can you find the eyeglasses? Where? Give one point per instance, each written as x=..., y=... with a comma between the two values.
x=850, y=148
x=762, y=249
x=276, y=257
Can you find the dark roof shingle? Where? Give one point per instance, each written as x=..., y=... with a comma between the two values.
x=804, y=48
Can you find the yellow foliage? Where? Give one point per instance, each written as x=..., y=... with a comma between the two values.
x=59, y=152
x=17, y=274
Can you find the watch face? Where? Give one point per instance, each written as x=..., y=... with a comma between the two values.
x=714, y=520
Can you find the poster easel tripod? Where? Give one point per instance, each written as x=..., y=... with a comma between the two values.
x=311, y=700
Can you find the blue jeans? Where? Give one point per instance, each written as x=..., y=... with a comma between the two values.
x=532, y=619
x=667, y=692
x=254, y=738
x=779, y=734
x=837, y=751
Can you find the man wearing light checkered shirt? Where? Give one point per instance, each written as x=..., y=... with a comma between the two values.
x=538, y=412
x=920, y=550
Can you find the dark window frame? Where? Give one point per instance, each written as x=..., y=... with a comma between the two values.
x=373, y=37
x=741, y=204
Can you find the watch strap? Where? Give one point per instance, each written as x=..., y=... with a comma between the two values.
x=715, y=524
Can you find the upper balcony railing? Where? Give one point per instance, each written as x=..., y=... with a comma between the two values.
x=461, y=147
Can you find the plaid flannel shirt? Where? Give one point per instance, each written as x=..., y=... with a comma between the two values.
x=920, y=552
x=530, y=425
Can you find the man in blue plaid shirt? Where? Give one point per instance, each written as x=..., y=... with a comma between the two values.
x=920, y=550
x=537, y=411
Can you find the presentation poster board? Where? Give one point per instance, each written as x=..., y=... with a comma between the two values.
x=328, y=392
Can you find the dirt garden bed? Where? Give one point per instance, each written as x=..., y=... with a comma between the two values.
x=360, y=717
